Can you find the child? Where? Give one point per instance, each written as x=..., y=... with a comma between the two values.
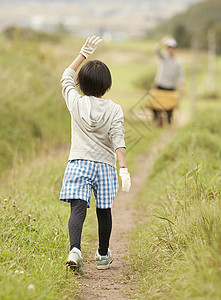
x=97, y=137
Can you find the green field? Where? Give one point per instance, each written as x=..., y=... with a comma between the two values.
x=178, y=244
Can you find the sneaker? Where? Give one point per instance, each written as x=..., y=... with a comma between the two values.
x=74, y=260
x=103, y=262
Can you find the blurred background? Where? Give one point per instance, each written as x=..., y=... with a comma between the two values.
x=38, y=40
x=114, y=19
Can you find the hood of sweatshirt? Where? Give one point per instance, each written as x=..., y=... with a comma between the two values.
x=93, y=112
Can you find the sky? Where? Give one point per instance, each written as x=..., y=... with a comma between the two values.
x=116, y=18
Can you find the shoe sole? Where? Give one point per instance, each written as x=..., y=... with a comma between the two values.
x=73, y=265
x=105, y=267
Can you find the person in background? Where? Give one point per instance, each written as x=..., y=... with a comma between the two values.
x=97, y=138
x=169, y=75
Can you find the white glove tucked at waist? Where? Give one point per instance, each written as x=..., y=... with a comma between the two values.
x=125, y=178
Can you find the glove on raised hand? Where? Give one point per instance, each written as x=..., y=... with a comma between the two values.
x=90, y=45
x=125, y=178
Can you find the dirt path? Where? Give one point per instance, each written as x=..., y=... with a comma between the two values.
x=115, y=283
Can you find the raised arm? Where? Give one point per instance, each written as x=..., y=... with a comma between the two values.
x=69, y=90
x=161, y=44
x=88, y=48
x=77, y=62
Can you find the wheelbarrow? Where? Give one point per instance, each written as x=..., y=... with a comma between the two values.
x=160, y=101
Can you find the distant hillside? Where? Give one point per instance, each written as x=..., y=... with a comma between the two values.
x=196, y=21
x=118, y=19
x=152, y=2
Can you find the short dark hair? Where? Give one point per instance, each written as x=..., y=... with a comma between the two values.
x=94, y=78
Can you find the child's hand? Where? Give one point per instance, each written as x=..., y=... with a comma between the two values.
x=90, y=45
x=125, y=178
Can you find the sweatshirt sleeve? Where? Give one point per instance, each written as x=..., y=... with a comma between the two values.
x=116, y=133
x=159, y=52
x=69, y=90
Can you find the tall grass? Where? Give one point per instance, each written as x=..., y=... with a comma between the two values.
x=32, y=110
x=33, y=114
x=34, y=232
x=33, y=228
x=178, y=246
x=34, y=133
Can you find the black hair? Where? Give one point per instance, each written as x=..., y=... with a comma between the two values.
x=94, y=78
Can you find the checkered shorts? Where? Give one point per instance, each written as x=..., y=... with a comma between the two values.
x=81, y=176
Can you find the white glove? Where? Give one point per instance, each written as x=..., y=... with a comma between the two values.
x=90, y=45
x=125, y=178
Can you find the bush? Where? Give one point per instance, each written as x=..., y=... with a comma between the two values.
x=16, y=32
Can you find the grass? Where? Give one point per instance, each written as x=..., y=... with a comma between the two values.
x=34, y=232
x=178, y=244
x=30, y=101
x=35, y=132
x=33, y=114
x=34, y=136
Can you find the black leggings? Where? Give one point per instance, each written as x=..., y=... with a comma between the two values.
x=157, y=115
x=76, y=221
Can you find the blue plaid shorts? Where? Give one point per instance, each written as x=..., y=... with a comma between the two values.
x=83, y=176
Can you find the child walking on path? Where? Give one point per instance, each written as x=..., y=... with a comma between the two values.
x=97, y=137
